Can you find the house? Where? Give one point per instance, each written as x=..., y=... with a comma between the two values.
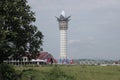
x=42, y=58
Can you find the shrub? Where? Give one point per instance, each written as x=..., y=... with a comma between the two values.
x=7, y=72
x=56, y=73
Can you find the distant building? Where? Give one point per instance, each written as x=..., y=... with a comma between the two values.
x=99, y=62
x=46, y=56
x=42, y=58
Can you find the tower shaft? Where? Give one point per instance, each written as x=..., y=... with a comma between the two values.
x=63, y=44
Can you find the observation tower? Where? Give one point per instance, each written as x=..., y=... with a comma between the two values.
x=63, y=27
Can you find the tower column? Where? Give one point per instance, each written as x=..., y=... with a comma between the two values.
x=63, y=44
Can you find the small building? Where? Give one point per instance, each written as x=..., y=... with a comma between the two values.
x=42, y=58
x=46, y=56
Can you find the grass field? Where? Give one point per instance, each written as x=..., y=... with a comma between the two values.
x=70, y=72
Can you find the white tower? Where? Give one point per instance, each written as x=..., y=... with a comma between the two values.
x=63, y=26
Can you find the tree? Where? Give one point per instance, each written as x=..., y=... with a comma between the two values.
x=18, y=34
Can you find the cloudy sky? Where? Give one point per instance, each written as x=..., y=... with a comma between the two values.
x=94, y=29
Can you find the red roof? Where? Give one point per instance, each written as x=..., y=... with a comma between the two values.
x=44, y=55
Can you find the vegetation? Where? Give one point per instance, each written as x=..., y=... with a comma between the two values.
x=70, y=72
x=17, y=32
x=7, y=72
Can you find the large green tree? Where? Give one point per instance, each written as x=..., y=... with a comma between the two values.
x=18, y=34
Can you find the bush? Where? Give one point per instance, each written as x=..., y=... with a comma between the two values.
x=56, y=73
x=7, y=72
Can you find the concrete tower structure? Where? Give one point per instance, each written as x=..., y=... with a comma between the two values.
x=63, y=26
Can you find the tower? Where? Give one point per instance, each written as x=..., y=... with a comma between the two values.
x=63, y=26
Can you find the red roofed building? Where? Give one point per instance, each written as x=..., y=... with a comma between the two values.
x=45, y=56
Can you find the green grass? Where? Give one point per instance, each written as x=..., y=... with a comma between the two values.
x=70, y=72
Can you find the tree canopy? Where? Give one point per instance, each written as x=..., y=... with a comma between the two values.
x=18, y=34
